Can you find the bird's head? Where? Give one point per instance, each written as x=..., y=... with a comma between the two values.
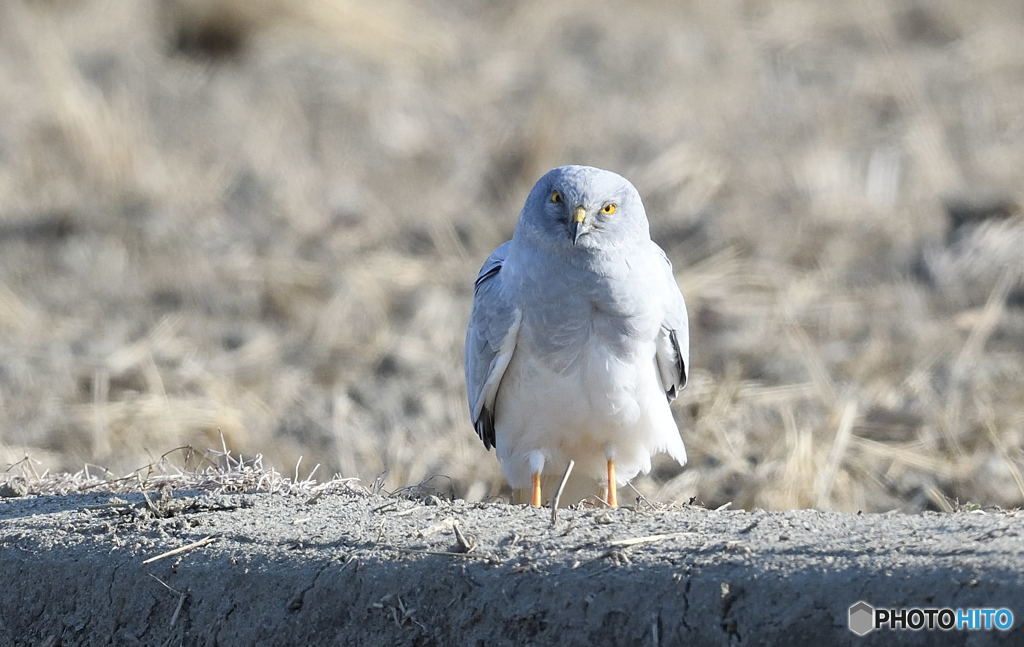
x=582, y=208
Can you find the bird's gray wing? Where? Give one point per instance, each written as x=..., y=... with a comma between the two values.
x=673, y=347
x=490, y=343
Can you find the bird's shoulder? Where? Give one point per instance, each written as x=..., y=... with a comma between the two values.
x=659, y=254
x=493, y=265
x=671, y=292
x=494, y=310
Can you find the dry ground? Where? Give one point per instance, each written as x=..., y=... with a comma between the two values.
x=264, y=218
x=324, y=564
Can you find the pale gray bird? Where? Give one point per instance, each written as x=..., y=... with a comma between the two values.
x=578, y=339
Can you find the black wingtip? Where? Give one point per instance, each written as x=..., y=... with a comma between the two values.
x=485, y=428
x=680, y=366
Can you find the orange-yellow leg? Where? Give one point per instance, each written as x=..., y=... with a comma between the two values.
x=613, y=494
x=535, y=499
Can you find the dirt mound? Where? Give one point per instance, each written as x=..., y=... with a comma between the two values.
x=355, y=568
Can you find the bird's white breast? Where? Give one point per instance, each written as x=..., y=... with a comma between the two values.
x=590, y=391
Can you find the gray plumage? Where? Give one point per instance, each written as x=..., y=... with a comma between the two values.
x=578, y=338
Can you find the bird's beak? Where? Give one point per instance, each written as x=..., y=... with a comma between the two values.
x=576, y=229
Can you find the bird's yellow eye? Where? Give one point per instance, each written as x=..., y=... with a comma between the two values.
x=556, y=197
x=609, y=208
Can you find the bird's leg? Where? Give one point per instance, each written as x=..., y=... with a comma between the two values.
x=613, y=494
x=536, y=461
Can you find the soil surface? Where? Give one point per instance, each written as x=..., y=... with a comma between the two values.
x=366, y=569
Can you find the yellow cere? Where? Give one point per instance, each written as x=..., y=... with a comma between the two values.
x=609, y=209
x=556, y=196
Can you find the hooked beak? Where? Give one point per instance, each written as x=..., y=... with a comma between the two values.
x=576, y=229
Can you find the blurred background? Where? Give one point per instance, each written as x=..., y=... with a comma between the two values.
x=263, y=218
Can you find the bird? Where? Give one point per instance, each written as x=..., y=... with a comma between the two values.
x=578, y=339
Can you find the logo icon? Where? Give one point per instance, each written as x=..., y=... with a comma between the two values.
x=862, y=618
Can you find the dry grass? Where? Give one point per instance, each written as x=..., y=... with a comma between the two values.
x=183, y=468
x=262, y=219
